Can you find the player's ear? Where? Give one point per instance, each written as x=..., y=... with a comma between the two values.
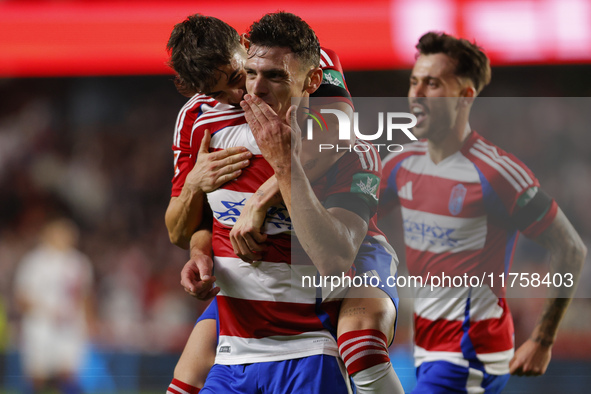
x=313, y=80
x=244, y=41
x=468, y=94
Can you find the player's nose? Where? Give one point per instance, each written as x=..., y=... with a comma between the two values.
x=417, y=90
x=258, y=87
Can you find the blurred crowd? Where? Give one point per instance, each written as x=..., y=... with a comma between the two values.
x=98, y=151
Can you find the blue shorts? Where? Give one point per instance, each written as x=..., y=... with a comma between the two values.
x=444, y=377
x=374, y=260
x=315, y=374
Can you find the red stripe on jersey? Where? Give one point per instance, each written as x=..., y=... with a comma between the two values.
x=472, y=263
x=481, y=333
x=252, y=177
x=372, y=228
x=487, y=336
x=425, y=187
x=184, y=165
x=261, y=319
x=438, y=335
x=278, y=246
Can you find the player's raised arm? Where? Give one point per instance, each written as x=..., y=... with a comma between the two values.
x=331, y=237
x=567, y=255
x=246, y=236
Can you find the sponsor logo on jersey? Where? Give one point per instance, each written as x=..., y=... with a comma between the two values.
x=225, y=349
x=279, y=217
x=232, y=212
x=367, y=184
x=456, y=199
x=433, y=234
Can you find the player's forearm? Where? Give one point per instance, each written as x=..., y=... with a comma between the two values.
x=183, y=216
x=201, y=243
x=267, y=195
x=328, y=241
x=567, y=255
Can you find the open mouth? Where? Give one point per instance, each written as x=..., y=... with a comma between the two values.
x=419, y=111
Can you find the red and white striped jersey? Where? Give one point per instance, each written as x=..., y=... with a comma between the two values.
x=458, y=219
x=265, y=313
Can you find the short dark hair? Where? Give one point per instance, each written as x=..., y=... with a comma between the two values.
x=283, y=29
x=471, y=61
x=198, y=47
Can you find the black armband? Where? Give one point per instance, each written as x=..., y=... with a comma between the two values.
x=533, y=210
x=350, y=202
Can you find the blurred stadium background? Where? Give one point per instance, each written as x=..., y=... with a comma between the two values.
x=87, y=107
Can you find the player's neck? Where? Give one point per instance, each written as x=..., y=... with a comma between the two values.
x=453, y=141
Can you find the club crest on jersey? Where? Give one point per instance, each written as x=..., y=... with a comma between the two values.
x=456, y=199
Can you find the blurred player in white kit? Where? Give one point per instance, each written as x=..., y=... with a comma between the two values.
x=53, y=284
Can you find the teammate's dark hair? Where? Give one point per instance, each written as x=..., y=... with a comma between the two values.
x=198, y=47
x=286, y=30
x=471, y=62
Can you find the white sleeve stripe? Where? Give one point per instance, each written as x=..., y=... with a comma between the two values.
x=494, y=155
x=325, y=55
x=509, y=161
x=346, y=353
x=202, y=122
x=497, y=167
x=363, y=163
x=181, y=118
x=180, y=390
x=212, y=114
x=372, y=153
x=376, y=157
x=363, y=354
x=363, y=156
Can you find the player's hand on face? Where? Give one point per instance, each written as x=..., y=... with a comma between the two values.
x=531, y=359
x=246, y=237
x=197, y=278
x=272, y=134
x=213, y=169
x=296, y=132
